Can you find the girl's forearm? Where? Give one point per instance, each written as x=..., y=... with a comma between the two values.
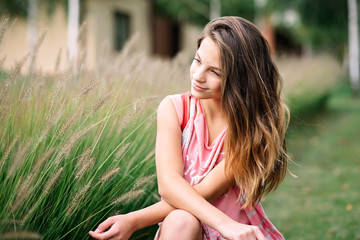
x=187, y=198
x=157, y=212
x=151, y=215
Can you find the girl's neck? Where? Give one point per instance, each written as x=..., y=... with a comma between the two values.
x=213, y=109
x=215, y=118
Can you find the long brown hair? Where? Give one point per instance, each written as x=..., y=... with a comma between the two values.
x=255, y=148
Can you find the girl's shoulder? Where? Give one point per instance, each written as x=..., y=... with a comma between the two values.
x=181, y=103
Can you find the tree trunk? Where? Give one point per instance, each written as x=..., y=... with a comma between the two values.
x=215, y=9
x=73, y=31
x=32, y=31
x=353, y=46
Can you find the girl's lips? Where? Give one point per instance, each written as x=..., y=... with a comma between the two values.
x=198, y=88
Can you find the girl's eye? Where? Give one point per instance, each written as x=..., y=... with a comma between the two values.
x=196, y=59
x=216, y=73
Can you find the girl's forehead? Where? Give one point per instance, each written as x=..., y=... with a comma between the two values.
x=209, y=52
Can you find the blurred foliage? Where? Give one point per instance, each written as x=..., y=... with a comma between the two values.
x=326, y=21
x=199, y=11
x=13, y=7
x=323, y=22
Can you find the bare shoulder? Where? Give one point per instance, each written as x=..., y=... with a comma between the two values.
x=166, y=111
x=166, y=105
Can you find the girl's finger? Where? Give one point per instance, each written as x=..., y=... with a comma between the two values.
x=103, y=235
x=105, y=225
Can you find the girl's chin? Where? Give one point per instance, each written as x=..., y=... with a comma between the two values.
x=201, y=95
x=198, y=95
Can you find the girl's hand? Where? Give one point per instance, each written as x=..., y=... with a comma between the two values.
x=238, y=231
x=120, y=228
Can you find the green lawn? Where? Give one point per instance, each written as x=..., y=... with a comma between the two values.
x=324, y=201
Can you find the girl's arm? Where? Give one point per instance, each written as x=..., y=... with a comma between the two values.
x=122, y=226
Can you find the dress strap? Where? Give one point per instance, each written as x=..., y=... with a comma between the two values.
x=186, y=110
x=187, y=131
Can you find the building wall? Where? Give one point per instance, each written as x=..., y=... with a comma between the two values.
x=101, y=25
x=15, y=42
x=99, y=34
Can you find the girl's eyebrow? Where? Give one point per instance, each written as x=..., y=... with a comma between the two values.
x=197, y=54
x=215, y=68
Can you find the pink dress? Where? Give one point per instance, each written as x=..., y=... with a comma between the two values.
x=199, y=158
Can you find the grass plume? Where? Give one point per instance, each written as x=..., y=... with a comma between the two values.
x=4, y=24
x=136, y=107
x=100, y=102
x=88, y=87
x=52, y=181
x=71, y=121
x=20, y=234
x=109, y=174
x=85, y=165
x=58, y=87
x=127, y=197
x=119, y=154
x=15, y=72
x=38, y=44
x=70, y=143
x=77, y=198
x=42, y=160
x=58, y=61
x=19, y=158
x=8, y=151
x=23, y=192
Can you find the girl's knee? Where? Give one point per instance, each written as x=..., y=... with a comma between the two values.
x=182, y=218
x=180, y=222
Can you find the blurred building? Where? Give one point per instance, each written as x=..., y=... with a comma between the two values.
x=109, y=25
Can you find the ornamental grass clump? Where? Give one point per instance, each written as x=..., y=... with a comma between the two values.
x=77, y=146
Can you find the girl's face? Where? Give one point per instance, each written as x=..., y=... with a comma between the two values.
x=205, y=72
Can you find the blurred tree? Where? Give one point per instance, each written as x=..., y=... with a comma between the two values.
x=73, y=30
x=13, y=7
x=33, y=6
x=199, y=12
x=215, y=9
x=353, y=46
x=184, y=10
x=323, y=22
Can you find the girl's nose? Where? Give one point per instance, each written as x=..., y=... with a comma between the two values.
x=198, y=75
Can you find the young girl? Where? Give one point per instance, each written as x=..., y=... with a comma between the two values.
x=220, y=148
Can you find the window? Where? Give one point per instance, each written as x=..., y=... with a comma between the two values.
x=121, y=30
